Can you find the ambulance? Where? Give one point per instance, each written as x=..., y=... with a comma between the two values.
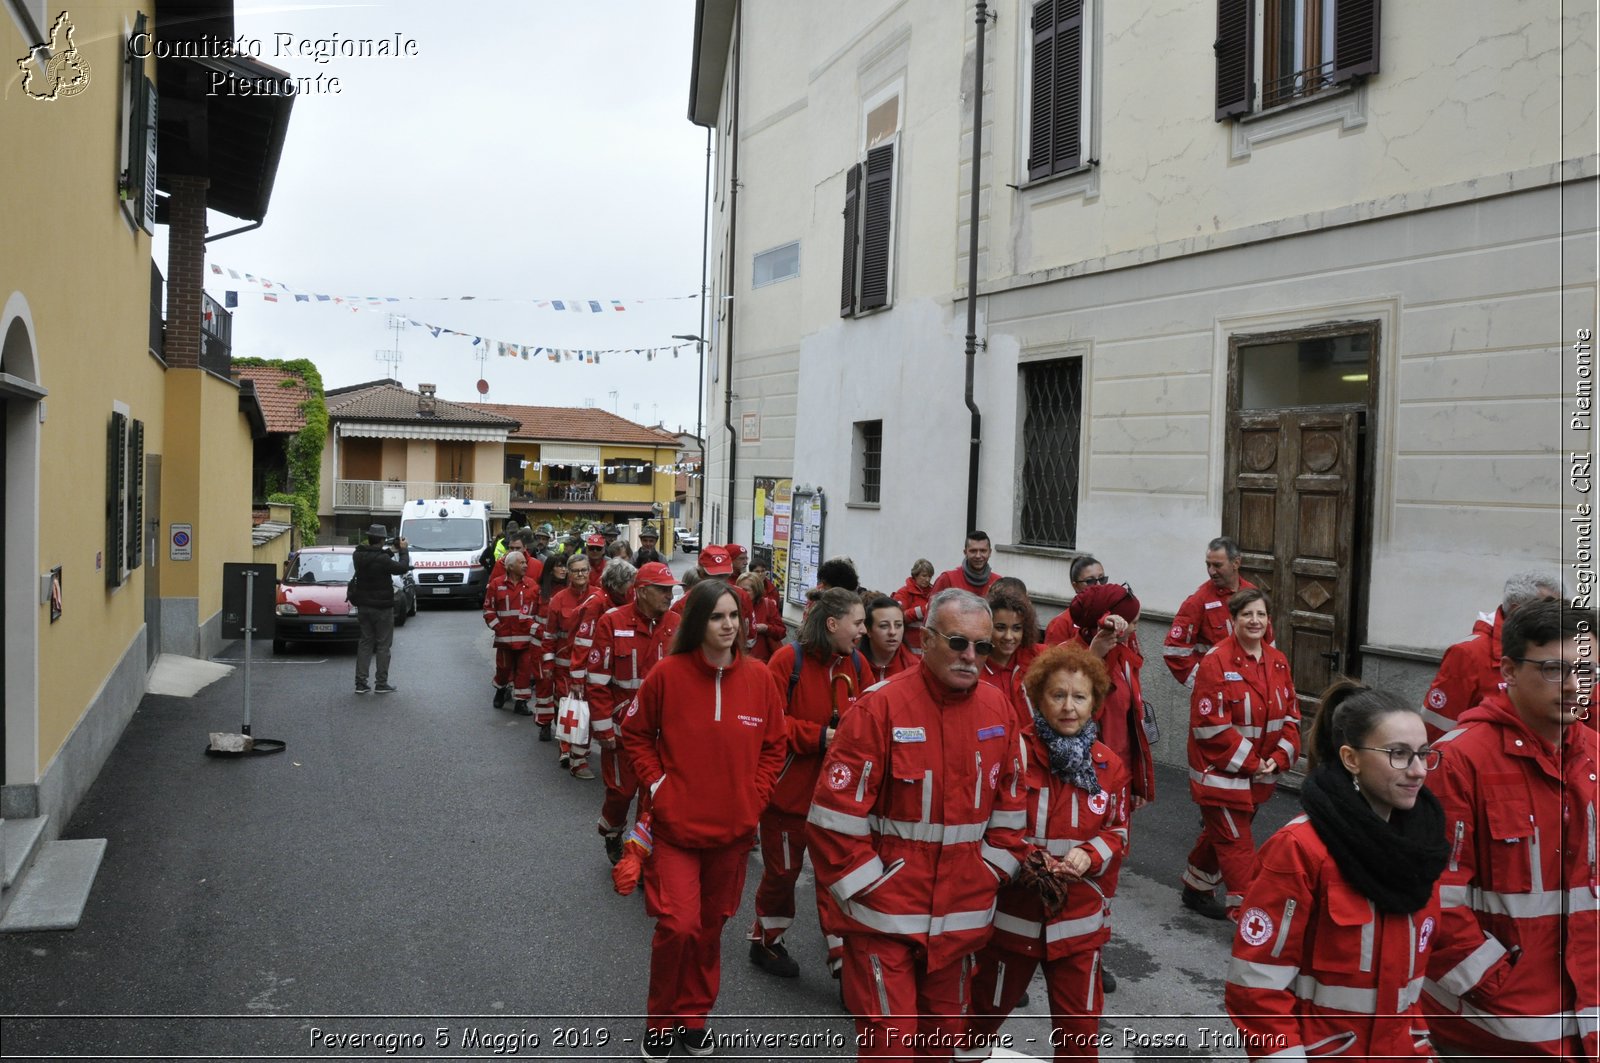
x=446, y=537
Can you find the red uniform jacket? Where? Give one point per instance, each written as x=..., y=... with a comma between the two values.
x=1318, y=968
x=512, y=612
x=1008, y=680
x=956, y=579
x=1202, y=622
x=707, y=743
x=1469, y=673
x=567, y=633
x=1062, y=818
x=1515, y=973
x=625, y=647
x=1122, y=719
x=1061, y=630
x=535, y=568
x=903, y=659
x=914, y=604
x=767, y=612
x=822, y=688
x=918, y=813
x=1242, y=714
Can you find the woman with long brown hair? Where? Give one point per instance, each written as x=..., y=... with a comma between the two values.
x=706, y=739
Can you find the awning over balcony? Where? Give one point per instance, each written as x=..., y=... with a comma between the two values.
x=568, y=454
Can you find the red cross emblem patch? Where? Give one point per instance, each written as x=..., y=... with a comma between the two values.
x=839, y=776
x=1255, y=926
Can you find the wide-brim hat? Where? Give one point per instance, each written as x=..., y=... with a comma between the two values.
x=378, y=531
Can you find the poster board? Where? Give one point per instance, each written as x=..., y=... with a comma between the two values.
x=807, y=513
x=769, y=536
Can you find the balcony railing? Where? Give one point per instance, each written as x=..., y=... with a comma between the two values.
x=388, y=496
x=558, y=491
x=216, y=336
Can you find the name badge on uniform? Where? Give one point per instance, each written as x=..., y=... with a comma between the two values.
x=990, y=732
x=910, y=734
x=1213, y=605
x=623, y=633
x=1233, y=677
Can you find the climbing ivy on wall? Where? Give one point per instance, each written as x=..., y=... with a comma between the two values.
x=304, y=449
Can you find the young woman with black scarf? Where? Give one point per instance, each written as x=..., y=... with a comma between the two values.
x=1335, y=928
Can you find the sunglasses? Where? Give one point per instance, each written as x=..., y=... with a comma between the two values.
x=959, y=643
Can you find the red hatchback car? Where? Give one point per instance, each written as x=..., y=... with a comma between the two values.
x=312, y=606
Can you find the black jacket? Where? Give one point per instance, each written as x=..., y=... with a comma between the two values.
x=645, y=554
x=374, y=586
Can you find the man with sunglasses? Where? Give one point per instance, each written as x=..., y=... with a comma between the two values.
x=1203, y=619
x=916, y=821
x=1516, y=970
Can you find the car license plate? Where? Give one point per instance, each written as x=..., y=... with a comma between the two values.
x=441, y=590
x=323, y=629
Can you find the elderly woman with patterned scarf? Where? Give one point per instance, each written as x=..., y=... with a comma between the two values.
x=1056, y=911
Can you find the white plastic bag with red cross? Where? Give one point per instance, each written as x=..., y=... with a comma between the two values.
x=572, y=721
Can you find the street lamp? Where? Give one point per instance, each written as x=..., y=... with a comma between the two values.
x=699, y=428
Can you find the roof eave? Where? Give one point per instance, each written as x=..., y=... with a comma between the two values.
x=713, y=31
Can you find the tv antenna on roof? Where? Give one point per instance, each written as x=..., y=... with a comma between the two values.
x=392, y=357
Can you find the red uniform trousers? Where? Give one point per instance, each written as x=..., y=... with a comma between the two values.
x=902, y=1009
x=1076, y=1000
x=616, y=771
x=783, y=850
x=514, y=666
x=1223, y=854
x=691, y=893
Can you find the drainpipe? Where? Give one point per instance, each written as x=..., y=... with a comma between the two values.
x=705, y=325
x=733, y=261
x=975, y=443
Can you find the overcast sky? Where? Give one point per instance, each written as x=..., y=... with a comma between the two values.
x=529, y=150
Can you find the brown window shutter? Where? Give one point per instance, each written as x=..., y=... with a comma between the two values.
x=847, y=276
x=1355, y=39
x=1044, y=65
x=1067, y=138
x=1235, y=50
x=116, y=483
x=877, y=209
x=136, y=486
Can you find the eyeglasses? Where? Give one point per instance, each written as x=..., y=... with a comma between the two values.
x=1400, y=759
x=1555, y=670
x=959, y=643
x=1092, y=581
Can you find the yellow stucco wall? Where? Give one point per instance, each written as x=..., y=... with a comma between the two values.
x=84, y=272
x=660, y=487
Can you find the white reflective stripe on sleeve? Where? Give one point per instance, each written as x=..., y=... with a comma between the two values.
x=1177, y=651
x=774, y=922
x=1220, y=782
x=1099, y=845
x=629, y=684
x=1549, y=903
x=936, y=833
x=1434, y=720
x=1455, y=896
x=1410, y=993
x=840, y=822
x=1240, y=755
x=1523, y=1029
x=599, y=727
x=1588, y=1021
x=1000, y=858
x=1008, y=818
x=1209, y=732
x=1249, y=731
x=858, y=879
x=1250, y=975
x=1012, y=924
x=597, y=679
x=1075, y=928
x=1470, y=971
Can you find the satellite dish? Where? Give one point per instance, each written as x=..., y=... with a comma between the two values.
x=483, y=387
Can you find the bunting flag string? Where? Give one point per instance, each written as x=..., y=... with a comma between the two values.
x=682, y=468
x=577, y=306
x=502, y=348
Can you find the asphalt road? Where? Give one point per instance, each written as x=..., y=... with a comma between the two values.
x=416, y=870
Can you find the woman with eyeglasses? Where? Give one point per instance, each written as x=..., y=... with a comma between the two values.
x=1105, y=615
x=1013, y=645
x=1335, y=930
x=706, y=739
x=1244, y=731
x=1056, y=911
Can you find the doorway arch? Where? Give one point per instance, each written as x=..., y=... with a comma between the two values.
x=21, y=399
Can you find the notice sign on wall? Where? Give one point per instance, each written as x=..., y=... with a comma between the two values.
x=183, y=542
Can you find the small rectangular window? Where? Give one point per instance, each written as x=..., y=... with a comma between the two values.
x=628, y=471
x=778, y=264
x=1052, y=397
x=868, y=448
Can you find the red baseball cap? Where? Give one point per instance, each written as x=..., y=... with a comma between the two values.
x=735, y=550
x=716, y=561
x=595, y=539
x=655, y=574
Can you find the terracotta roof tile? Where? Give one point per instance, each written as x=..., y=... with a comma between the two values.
x=280, y=394
x=577, y=424
x=389, y=402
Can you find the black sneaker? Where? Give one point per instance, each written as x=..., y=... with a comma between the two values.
x=1203, y=903
x=697, y=1042
x=522, y=709
x=544, y=732
x=1108, y=981
x=362, y=688
x=774, y=959
x=657, y=1044
x=501, y=696
x=383, y=688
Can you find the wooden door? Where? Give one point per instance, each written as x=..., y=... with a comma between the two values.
x=453, y=462
x=1292, y=495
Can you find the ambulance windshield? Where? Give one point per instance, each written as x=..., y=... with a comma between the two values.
x=444, y=533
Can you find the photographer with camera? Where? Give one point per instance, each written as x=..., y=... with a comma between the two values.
x=372, y=593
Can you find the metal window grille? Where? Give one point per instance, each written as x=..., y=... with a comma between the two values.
x=870, y=436
x=1052, y=418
